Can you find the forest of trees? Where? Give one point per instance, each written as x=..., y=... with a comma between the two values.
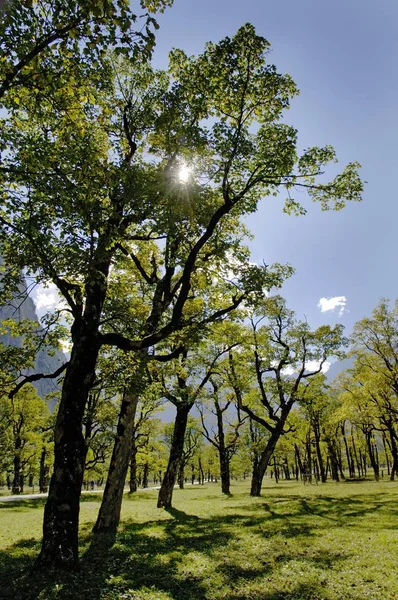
x=126, y=188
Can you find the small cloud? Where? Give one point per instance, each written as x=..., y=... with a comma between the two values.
x=313, y=365
x=335, y=304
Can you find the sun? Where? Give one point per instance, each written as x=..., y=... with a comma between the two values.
x=184, y=173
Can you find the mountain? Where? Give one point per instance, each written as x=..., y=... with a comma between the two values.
x=19, y=310
x=339, y=366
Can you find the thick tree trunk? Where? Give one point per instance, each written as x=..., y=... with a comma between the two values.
x=145, y=475
x=61, y=515
x=263, y=462
x=176, y=450
x=224, y=472
x=111, y=505
x=181, y=475
x=333, y=459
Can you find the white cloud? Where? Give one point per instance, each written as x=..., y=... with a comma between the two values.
x=311, y=365
x=46, y=299
x=335, y=304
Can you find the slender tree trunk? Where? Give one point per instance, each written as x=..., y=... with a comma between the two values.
x=349, y=463
x=202, y=474
x=359, y=467
x=111, y=505
x=372, y=456
x=394, y=452
x=222, y=451
x=386, y=452
x=321, y=464
x=16, y=482
x=133, y=467
x=309, y=458
x=176, y=450
x=298, y=460
x=43, y=475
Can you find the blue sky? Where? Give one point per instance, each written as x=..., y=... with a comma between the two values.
x=343, y=56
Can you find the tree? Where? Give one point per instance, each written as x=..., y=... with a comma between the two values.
x=23, y=419
x=40, y=38
x=80, y=190
x=375, y=348
x=225, y=436
x=188, y=378
x=283, y=354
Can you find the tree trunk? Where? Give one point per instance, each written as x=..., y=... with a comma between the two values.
x=145, y=475
x=222, y=451
x=386, y=452
x=394, y=452
x=309, y=458
x=321, y=464
x=372, y=457
x=333, y=460
x=16, y=482
x=43, y=474
x=133, y=467
x=111, y=505
x=263, y=462
x=224, y=472
x=201, y=472
x=61, y=514
x=359, y=466
x=181, y=475
x=176, y=450
x=351, y=470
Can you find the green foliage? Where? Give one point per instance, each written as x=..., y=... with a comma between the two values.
x=23, y=422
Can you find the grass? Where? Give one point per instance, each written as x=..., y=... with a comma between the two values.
x=296, y=542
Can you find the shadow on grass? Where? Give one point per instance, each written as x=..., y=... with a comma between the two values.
x=149, y=560
x=23, y=504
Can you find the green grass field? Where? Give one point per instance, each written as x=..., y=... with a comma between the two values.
x=331, y=541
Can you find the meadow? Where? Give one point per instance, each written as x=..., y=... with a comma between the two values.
x=295, y=542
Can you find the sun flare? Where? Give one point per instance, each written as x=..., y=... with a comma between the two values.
x=183, y=173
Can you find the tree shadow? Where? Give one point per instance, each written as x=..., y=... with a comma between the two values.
x=148, y=556
x=21, y=505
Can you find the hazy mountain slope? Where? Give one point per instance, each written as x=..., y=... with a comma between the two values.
x=44, y=363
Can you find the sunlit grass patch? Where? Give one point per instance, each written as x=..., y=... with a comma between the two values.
x=296, y=542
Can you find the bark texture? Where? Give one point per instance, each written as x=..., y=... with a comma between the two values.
x=109, y=513
x=177, y=446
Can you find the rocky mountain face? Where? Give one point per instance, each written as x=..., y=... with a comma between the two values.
x=23, y=307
